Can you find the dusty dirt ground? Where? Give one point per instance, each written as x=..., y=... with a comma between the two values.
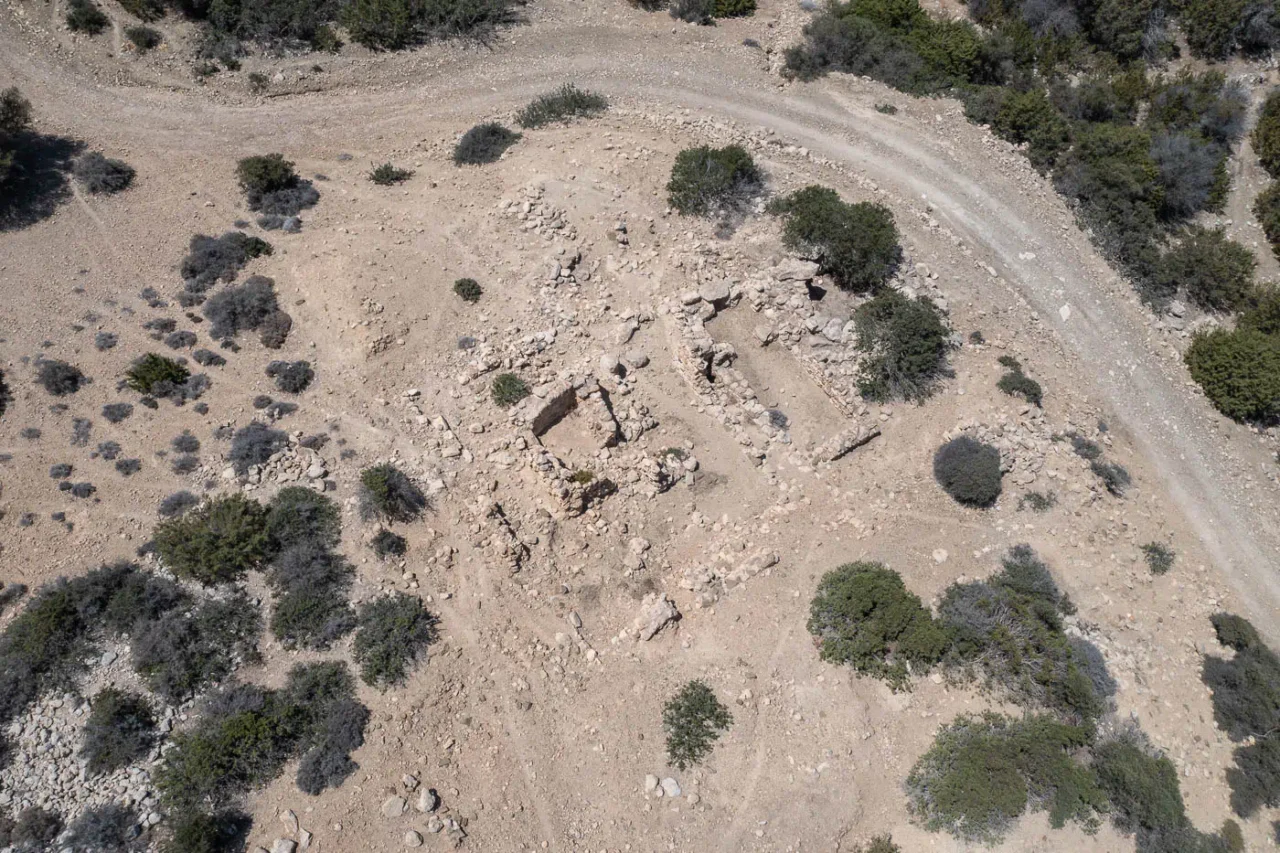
x=537, y=732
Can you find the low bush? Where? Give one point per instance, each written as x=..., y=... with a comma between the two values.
x=121, y=729
x=1038, y=501
x=180, y=340
x=144, y=39
x=693, y=11
x=864, y=616
x=177, y=503
x=905, y=343
x=59, y=378
x=1085, y=448
x=1213, y=27
x=208, y=358
x=274, y=329
x=1030, y=118
x=107, y=829
x=734, y=8
x=563, y=105
x=713, y=181
x=387, y=492
x=390, y=634
x=396, y=24
x=15, y=119
x=102, y=175
x=1114, y=476
x=151, y=371
x=199, y=832
x=1015, y=383
x=468, y=289
x=1214, y=271
x=693, y=719
x=254, y=444
x=387, y=174
x=983, y=772
x=1142, y=785
x=115, y=413
x=244, y=307
x=35, y=830
x=128, y=467
x=1008, y=628
x=1266, y=134
x=856, y=244
x=213, y=259
x=298, y=515
x=311, y=607
x=263, y=174
x=291, y=377
x=1190, y=173
x=1266, y=207
x=216, y=542
x=388, y=544
x=83, y=16
x=247, y=734
x=184, y=651
x=484, y=143
x=508, y=389
x=1159, y=557
x=969, y=471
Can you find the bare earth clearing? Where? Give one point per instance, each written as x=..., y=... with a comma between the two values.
x=538, y=732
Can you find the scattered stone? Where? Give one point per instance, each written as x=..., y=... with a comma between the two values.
x=393, y=807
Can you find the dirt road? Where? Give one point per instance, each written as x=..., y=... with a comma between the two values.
x=1222, y=479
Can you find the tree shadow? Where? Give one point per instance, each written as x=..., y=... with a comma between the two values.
x=39, y=180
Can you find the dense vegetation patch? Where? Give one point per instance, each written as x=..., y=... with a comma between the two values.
x=484, y=143
x=216, y=542
x=713, y=181
x=969, y=471
x=863, y=615
x=693, y=720
x=151, y=372
x=387, y=492
x=391, y=633
x=1239, y=372
x=856, y=244
x=905, y=344
x=563, y=105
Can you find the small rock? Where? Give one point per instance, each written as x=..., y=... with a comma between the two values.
x=393, y=807
x=650, y=783
x=284, y=845
x=670, y=787
x=412, y=838
x=428, y=800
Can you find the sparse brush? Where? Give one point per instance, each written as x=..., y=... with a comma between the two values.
x=1159, y=557
x=563, y=105
x=468, y=289
x=387, y=492
x=387, y=174
x=509, y=389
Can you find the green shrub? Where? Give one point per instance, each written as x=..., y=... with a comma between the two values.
x=565, y=104
x=311, y=586
x=396, y=24
x=149, y=371
x=484, y=143
x=121, y=729
x=216, y=542
x=102, y=175
x=1114, y=476
x=59, y=378
x=734, y=8
x=1159, y=557
x=1266, y=134
x=387, y=174
x=15, y=118
x=1142, y=787
x=1255, y=779
x=1015, y=383
x=144, y=10
x=1263, y=313
x=380, y=24
x=983, y=772
x=856, y=244
x=388, y=544
x=468, y=289
x=1030, y=117
x=880, y=844
x=693, y=720
x=198, y=832
x=265, y=173
x=247, y=734
x=184, y=651
x=390, y=634
x=863, y=615
x=83, y=16
x=1238, y=371
x=298, y=515
x=693, y=11
x=969, y=471
x=1246, y=688
x=1215, y=272
x=905, y=343
x=1266, y=207
x=1211, y=26
x=1038, y=501
x=707, y=181
x=386, y=492
x=1009, y=629
x=508, y=389
x=1110, y=172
